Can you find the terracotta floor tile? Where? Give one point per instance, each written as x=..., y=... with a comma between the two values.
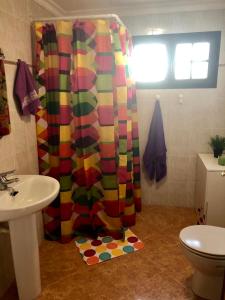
x=157, y=272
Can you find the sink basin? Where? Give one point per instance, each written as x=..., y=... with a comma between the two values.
x=34, y=193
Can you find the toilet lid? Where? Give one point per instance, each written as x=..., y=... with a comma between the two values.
x=204, y=238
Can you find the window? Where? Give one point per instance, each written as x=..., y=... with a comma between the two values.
x=186, y=60
x=146, y=65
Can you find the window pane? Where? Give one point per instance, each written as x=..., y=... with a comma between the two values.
x=183, y=52
x=182, y=70
x=187, y=53
x=149, y=62
x=200, y=51
x=183, y=55
x=199, y=70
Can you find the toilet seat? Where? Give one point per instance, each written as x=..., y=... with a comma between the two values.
x=204, y=240
x=202, y=254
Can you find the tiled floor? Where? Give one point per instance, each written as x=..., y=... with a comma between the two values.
x=159, y=271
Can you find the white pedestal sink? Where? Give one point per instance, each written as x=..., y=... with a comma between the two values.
x=34, y=193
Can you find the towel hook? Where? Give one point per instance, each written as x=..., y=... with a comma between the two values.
x=180, y=97
x=157, y=97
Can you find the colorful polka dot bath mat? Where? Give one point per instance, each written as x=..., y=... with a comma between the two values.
x=105, y=248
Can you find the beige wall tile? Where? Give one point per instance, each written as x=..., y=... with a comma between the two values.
x=154, y=194
x=19, y=149
x=177, y=193
x=7, y=6
x=36, y=11
x=178, y=167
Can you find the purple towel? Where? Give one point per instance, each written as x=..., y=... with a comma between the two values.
x=155, y=152
x=25, y=90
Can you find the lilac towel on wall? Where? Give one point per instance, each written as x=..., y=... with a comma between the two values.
x=25, y=90
x=155, y=152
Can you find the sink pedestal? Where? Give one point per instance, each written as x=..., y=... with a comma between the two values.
x=24, y=241
x=34, y=193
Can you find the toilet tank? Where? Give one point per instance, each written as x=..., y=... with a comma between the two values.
x=210, y=191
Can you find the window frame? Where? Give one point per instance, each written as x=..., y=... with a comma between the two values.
x=171, y=40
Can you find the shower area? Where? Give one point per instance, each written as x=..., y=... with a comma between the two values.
x=87, y=129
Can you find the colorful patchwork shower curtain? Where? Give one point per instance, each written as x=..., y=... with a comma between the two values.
x=87, y=127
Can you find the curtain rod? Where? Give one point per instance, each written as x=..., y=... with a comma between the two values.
x=10, y=62
x=103, y=16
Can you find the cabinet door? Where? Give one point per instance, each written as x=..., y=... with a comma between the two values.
x=215, y=198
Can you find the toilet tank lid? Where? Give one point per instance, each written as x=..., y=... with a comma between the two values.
x=204, y=238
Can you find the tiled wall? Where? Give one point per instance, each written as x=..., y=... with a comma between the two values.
x=188, y=126
x=17, y=150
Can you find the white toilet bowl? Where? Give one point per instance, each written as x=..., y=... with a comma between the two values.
x=204, y=247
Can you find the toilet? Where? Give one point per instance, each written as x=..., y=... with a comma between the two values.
x=204, y=247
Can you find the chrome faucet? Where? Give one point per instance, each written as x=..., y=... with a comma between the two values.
x=4, y=182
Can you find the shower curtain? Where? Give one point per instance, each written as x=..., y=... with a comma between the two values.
x=87, y=127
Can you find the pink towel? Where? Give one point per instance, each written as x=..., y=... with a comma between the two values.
x=25, y=89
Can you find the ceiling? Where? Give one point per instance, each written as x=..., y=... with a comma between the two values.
x=126, y=7
x=96, y=4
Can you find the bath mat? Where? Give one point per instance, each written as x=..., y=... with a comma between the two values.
x=105, y=248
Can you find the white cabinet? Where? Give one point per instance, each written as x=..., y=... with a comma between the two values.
x=210, y=191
